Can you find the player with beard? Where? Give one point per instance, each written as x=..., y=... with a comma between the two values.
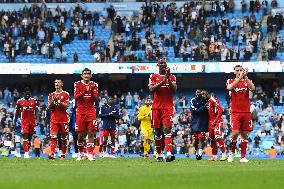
x=109, y=114
x=86, y=94
x=240, y=118
x=199, y=122
x=163, y=85
x=215, y=126
x=144, y=116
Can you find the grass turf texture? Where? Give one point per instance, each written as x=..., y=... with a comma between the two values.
x=137, y=173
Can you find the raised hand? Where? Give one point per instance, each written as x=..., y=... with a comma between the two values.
x=168, y=72
x=55, y=100
x=245, y=72
x=241, y=75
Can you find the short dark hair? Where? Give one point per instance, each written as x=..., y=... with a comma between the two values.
x=27, y=89
x=237, y=66
x=86, y=70
x=59, y=80
x=162, y=60
x=206, y=92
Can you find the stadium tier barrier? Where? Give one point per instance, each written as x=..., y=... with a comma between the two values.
x=116, y=5
x=138, y=68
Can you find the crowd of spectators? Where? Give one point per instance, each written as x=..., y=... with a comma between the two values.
x=196, y=31
x=266, y=121
x=39, y=30
x=275, y=41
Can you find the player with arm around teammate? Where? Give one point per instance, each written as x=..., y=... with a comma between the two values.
x=199, y=122
x=215, y=125
x=109, y=114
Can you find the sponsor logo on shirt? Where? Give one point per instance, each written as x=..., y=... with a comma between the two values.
x=240, y=89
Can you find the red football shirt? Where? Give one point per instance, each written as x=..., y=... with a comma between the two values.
x=214, y=110
x=85, y=99
x=27, y=109
x=163, y=97
x=239, y=97
x=58, y=114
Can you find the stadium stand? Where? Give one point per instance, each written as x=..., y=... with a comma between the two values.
x=38, y=34
x=183, y=32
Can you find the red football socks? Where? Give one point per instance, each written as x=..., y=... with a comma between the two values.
x=243, y=148
x=221, y=144
x=112, y=150
x=168, y=143
x=80, y=147
x=158, y=142
x=90, y=147
x=85, y=146
x=214, y=147
x=233, y=146
x=26, y=146
x=63, y=146
x=53, y=144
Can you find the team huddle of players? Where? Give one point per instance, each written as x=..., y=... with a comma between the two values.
x=158, y=118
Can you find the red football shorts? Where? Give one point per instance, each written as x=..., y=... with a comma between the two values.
x=215, y=132
x=198, y=135
x=162, y=117
x=108, y=132
x=28, y=128
x=241, y=122
x=85, y=122
x=59, y=127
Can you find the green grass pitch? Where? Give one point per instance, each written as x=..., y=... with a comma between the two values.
x=137, y=173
